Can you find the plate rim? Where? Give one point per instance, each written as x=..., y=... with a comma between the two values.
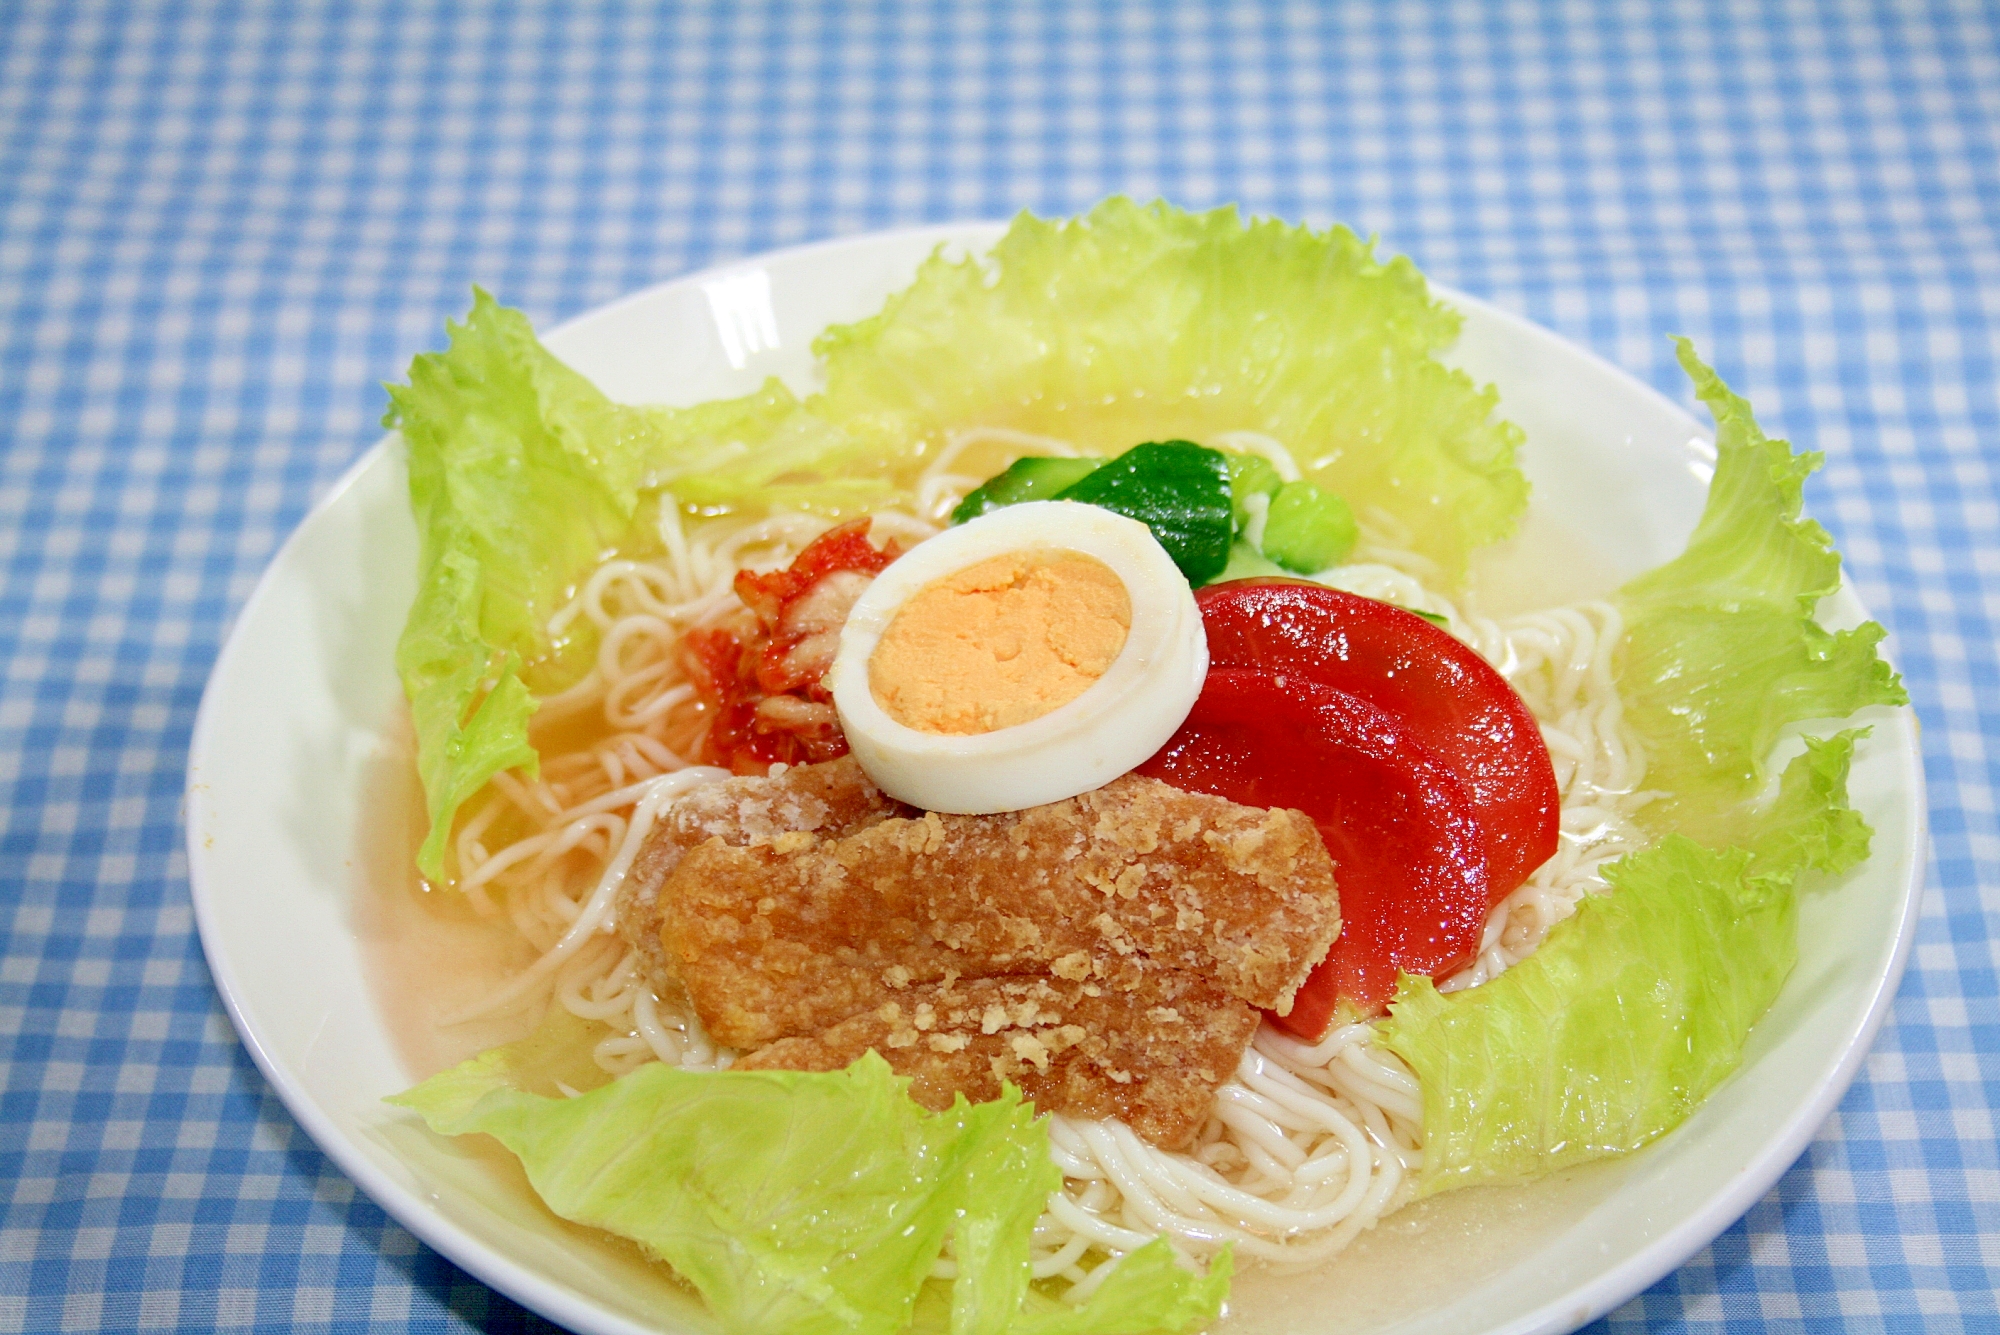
x=1564, y=1312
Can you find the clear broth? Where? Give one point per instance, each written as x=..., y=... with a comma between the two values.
x=429, y=955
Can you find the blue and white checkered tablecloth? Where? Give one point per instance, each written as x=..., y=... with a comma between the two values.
x=222, y=225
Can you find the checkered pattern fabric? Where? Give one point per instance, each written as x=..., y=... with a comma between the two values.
x=222, y=225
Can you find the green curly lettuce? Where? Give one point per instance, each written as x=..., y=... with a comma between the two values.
x=1721, y=652
x=806, y=1203
x=523, y=477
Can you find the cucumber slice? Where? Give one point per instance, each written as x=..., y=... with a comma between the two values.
x=1034, y=478
x=1178, y=489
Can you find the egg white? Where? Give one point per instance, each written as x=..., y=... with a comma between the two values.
x=1117, y=722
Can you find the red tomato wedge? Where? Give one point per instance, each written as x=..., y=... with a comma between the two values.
x=1450, y=698
x=1398, y=822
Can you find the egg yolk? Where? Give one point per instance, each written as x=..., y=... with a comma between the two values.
x=1000, y=642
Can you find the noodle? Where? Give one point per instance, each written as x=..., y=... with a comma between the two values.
x=1307, y=1145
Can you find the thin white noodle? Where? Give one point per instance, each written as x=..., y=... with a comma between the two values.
x=594, y=916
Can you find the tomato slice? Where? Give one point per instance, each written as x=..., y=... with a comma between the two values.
x=1450, y=698
x=1399, y=823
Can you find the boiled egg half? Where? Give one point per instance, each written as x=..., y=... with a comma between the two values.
x=1031, y=654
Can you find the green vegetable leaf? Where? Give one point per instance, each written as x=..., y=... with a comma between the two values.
x=801, y=1203
x=1308, y=530
x=555, y=1057
x=1033, y=478
x=1148, y=1291
x=522, y=478
x=1810, y=824
x=765, y=452
x=1177, y=489
x=1147, y=323
x=521, y=474
x=1721, y=651
x=468, y=705
x=1632, y=1011
x=1007, y=1176
x=794, y=1202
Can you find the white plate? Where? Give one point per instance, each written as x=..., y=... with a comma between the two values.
x=299, y=734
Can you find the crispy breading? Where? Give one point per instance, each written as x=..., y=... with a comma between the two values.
x=831, y=800
x=1150, y=1057
x=1104, y=953
x=792, y=935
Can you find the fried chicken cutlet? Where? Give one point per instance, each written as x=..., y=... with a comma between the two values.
x=806, y=918
x=789, y=935
x=1151, y=1057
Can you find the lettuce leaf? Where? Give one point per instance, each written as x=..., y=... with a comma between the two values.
x=1137, y=323
x=1148, y=1291
x=523, y=477
x=768, y=452
x=1632, y=1011
x=804, y=1203
x=1721, y=651
x=521, y=472
x=468, y=705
